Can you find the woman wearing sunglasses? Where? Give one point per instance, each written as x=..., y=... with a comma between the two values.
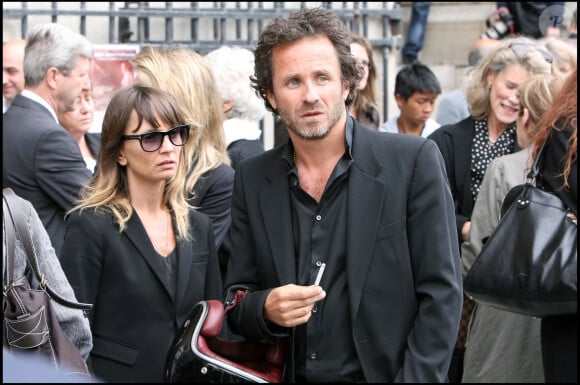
x=489, y=132
x=186, y=75
x=133, y=246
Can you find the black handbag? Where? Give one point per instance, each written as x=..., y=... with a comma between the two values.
x=199, y=355
x=529, y=263
x=30, y=323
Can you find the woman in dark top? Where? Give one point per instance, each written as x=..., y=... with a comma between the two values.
x=133, y=247
x=492, y=94
x=559, y=174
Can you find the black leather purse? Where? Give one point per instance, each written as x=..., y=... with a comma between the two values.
x=529, y=263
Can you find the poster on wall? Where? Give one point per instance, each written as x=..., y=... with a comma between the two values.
x=110, y=70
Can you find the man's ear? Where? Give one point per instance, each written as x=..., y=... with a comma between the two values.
x=346, y=91
x=400, y=100
x=271, y=99
x=51, y=77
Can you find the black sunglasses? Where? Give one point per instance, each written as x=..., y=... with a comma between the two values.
x=152, y=141
x=523, y=48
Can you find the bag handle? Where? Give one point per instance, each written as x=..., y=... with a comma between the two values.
x=15, y=211
x=533, y=174
x=535, y=171
x=10, y=245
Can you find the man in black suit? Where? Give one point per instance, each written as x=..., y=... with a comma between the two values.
x=374, y=207
x=41, y=162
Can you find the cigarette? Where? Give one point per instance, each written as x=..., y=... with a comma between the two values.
x=320, y=272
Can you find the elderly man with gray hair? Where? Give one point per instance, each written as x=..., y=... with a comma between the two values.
x=42, y=162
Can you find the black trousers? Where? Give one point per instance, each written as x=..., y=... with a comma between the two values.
x=560, y=348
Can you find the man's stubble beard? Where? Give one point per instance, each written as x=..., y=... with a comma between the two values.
x=311, y=130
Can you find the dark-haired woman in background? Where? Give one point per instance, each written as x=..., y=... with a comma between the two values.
x=559, y=175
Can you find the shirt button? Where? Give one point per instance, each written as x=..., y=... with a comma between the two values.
x=318, y=263
x=318, y=217
x=315, y=310
x=313, y=356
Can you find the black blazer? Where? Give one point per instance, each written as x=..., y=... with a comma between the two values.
x=455, y=142
x=244, y=148
x=42, y=163
x=404, y=276
x=213, y=197
x=136, y=314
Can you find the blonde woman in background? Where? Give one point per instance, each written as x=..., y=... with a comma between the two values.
x=489, y=132
x=503, y=346
x=186, y=75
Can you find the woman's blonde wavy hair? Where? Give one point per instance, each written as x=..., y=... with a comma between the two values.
x=536, y=95
x=528, y=54
x=186, y=75
x=107, y=190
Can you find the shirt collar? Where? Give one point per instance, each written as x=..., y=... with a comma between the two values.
x=37, y=98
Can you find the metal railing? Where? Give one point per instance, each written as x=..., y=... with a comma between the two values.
x=203, y=26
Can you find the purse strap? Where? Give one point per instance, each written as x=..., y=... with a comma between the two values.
x=18, y=226
x=535, y=171
x=10, y=246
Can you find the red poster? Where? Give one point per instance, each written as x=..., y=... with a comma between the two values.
x=110, y=70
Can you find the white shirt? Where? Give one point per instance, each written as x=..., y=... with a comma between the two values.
x=236, y=129
x=391, y=126
x=31, y=95
x=91, y=164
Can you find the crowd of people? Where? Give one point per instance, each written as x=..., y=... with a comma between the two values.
x=176, y=200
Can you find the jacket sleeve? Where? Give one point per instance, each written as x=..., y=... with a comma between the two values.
x=60, y=174
x=485, y=215
x=434, y=252
x=444, y=141
x=215, y=200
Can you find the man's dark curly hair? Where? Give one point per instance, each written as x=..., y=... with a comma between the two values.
x=296, y=26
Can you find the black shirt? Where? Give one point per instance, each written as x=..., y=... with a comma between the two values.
x=324, y=348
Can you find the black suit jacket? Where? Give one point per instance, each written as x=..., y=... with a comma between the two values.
x=136, y=313
x=244, y=148
x=213, y=197
x=42, y=163
x=404, y=276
